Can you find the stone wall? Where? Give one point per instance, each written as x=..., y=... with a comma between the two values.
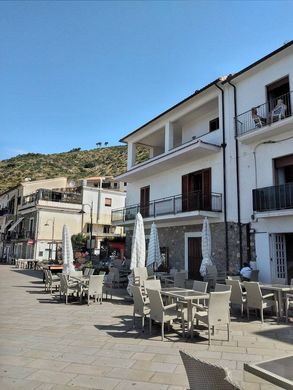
x=173, y=238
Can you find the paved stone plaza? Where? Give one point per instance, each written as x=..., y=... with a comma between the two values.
x=46, y=344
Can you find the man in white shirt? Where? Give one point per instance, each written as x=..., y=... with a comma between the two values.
x=245, y=272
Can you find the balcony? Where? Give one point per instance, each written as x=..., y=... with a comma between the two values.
x=273, y=198
x=173, y=205
x=73, y=197
x=264, y=119
x=22, y=235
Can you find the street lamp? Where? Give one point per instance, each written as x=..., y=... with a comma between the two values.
x=52, y=243
x=91, y=224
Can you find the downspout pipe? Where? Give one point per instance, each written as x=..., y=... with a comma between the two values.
x=224, y=178
x=237, y=175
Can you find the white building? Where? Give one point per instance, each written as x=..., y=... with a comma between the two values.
x=208, y=156
x=33, y=215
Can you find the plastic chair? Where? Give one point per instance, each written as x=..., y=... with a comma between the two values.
x=67, y=287
x=161, y=313
x=222, y=287
x=206, y=376
x=255, y=299
x=238, y=296
x=218, y=312
x=94, y=288
x=140, y=306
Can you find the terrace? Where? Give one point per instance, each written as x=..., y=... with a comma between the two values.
x=47, y=344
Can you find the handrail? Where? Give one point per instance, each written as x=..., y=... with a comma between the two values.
x=175, y=204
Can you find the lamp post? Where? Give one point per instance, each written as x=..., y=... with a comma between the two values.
x=52, y=243
x=91, y=223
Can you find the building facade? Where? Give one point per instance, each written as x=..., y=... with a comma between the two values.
x=224, y=153
x=33, y=214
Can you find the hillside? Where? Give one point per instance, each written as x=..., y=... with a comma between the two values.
x=75, y=164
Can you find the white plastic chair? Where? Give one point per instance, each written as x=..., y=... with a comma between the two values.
x=94, y=288
x=140, y=306
x=161, y=313
x=238, y=296
x=255, y=299
x=218, y=312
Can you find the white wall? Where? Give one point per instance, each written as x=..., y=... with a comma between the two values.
x=168, y=183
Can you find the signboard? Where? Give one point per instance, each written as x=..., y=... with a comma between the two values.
x=30, y=242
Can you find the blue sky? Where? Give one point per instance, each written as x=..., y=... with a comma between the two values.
x=73, y=73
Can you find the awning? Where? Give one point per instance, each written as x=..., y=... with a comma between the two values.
x=13, y=226
x=4, y=227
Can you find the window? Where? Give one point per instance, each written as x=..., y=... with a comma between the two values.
x=88, y=227
x=196, y=190
x=214, y=124
x=279, y=89
x=145, y=201
x=31, y=224
x=106, y=229
x=108, y=202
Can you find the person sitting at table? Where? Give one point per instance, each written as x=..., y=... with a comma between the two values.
x=245, y=272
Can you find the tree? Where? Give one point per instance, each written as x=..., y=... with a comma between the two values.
x=78, y=242
x=106, y=143
x=99, y=144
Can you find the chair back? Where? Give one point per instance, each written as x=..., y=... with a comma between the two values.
x=222, y=287
x=200, y=286
x=86, y=271
x=156, y=305
x=140, y=275
x=254, y=295
x=179, y=279
x=138, y=301
x=100, y=272
x=96, y=284
x=236, y=292
x=206, y=376
x=63, y=283
x=152, y=284
x=236, y=277
x=254, y=275
x=219, y=308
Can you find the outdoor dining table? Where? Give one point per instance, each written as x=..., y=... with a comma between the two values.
x=277, y=371
x=186, y=295
x=279, y=289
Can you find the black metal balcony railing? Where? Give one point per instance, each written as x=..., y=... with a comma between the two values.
x=21, y=235
x=172, y=205
x=262, y=115
x=273, y=198
x=53, y=196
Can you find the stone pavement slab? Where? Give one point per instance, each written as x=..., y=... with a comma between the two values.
x=45, y=344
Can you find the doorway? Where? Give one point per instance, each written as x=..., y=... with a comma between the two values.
x=193, y=255
x=196, y=190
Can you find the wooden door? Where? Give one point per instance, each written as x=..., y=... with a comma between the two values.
x=194, y=258
x=145, y=201
x=196, y=190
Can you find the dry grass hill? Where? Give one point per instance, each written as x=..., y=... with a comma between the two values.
x=75, y=164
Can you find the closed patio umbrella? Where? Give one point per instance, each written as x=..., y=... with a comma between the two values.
x=138, y=244
x=137, y=249
x=67, y=251
x=154, y=253
x=206, y=247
